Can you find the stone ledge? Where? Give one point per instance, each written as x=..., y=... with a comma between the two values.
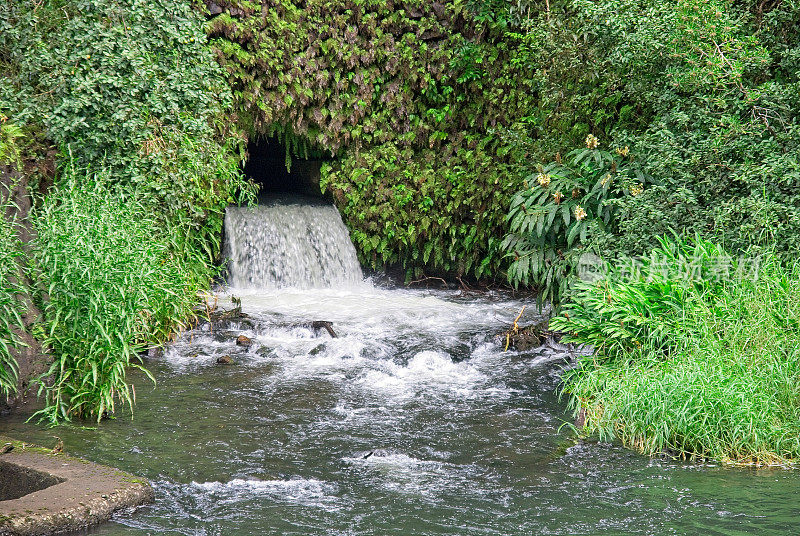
x=79, y=493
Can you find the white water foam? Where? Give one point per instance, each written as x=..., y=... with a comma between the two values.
x=303, y=491
x=407, y=475
x=425, y=371
x=394, y=344
x=289, y=244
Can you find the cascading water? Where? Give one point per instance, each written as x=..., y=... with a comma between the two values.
x=413, y=421
x=291, y=242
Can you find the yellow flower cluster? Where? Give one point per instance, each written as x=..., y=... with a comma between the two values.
x=579, y=213
x=592, y=142
x=543, y=179
x=605, y=179
x=624, y=151
x=558, y=196
x=636, y=189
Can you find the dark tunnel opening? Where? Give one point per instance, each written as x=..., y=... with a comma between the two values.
x=266, y=166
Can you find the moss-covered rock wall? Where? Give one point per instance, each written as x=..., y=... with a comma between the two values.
x=412, y=97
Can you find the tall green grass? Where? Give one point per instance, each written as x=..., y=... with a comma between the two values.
x=10, y=305
x=704, y=366
x=112, y=286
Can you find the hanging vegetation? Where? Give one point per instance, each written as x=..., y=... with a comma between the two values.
x=410, y=96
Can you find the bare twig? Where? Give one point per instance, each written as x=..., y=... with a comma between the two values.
x=514, y=328
x=425, y=279
x=464, y=286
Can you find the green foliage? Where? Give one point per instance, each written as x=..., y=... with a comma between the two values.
x=705, y=94
x=637, y=306
x=10, y=306
x=129, y=86
x=365, y=74
x=409, y=97
x=403, y=209
x=562, y=206
x=114, y=286
x=695, y=353
x=10, y=134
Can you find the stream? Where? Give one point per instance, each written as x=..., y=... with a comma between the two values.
x=413, y=421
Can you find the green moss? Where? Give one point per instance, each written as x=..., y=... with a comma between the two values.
x=411, y=98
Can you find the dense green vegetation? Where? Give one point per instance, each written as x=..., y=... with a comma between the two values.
x=10, y=265
x=481, y=139
x=436, y=112
x=129, y=86
x=130, y=93
x=703, y=96
x=410, y=97
x=695, y=353
x=115, y=284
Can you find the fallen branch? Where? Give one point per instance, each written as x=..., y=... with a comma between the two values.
x=426, y=279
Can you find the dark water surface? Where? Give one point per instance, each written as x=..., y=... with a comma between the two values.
x=464, y=439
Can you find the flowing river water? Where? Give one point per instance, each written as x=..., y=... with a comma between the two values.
x=413, y=421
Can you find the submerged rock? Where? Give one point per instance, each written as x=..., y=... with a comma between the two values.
x=225, y=360
x=265, y=351
x=317, y=349
x=526, y=338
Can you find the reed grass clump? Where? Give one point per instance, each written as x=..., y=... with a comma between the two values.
x=112, y=285
x=10, y=305
x=705, y=366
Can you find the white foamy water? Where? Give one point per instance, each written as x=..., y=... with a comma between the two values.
x=289, y=244
x=394, y=345
x=295, y=491
x=401, y=358
x=402, y=474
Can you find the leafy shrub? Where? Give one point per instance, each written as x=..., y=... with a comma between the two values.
x=705, y=94
x=694, y=352
x=130, y=86
x=113, y=285
x=563, y=203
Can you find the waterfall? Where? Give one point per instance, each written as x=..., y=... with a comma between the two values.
x=289, y=242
